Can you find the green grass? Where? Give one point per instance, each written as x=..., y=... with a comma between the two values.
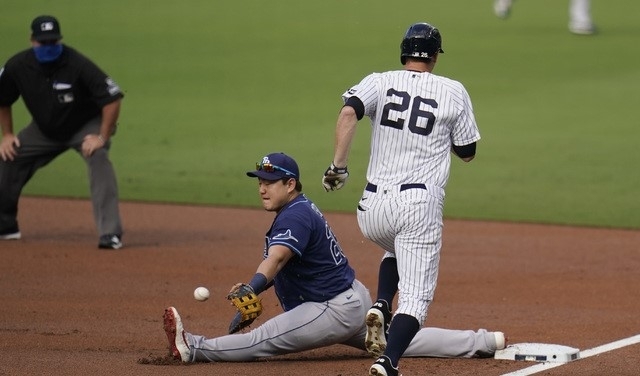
x=211, y=87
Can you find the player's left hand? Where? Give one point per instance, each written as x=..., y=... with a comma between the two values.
x=248, y=305
x=8, y=147
x=91, y=143
x=334, y=178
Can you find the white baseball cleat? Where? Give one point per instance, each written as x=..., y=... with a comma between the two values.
x=502, y=8
x=175, y=334
x=582, y=29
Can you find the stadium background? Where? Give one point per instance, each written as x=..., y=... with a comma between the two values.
x=212, y=86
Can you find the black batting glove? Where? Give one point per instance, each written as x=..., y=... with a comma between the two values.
x=334, y=178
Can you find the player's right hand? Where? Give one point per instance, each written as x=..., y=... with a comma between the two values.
x=334, y=177
x=8, y=147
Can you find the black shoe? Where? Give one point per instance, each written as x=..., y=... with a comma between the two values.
x=111, y=241
x=10, y=234
x=383, y=367
x=377, y=321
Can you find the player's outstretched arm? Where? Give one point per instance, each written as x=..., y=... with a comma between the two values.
x=336, y=175
x=345, y=131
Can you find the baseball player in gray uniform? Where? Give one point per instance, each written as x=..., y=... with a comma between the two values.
x=322, y=300
x=418, y=120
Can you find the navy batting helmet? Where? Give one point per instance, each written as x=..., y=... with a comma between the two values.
x=422, y=41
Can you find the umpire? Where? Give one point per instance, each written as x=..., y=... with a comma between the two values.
x=73, y=104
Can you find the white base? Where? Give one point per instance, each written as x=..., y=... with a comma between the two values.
x=538, y=352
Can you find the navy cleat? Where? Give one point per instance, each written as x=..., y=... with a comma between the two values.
x=383, y=367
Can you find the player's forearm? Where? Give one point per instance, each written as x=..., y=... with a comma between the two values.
x=278, y=257
x=110, y=114
x=6, y=120
x=268, y=268
x=345, y=131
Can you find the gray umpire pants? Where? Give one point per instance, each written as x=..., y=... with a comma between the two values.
x=37, y=150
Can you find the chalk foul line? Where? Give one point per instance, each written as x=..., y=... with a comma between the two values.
x=583, y=354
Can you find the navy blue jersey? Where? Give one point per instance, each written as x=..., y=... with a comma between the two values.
x=319, y=270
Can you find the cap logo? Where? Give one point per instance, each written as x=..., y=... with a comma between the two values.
x=46, y=26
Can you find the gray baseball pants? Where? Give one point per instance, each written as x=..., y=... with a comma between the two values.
x=36, y=151
x=337, y=321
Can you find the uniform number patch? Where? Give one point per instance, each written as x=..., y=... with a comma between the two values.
x=420, y=121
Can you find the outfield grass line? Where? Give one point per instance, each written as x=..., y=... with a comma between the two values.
x=583, y=354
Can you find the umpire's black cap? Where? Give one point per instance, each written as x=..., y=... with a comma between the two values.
x=45, y=29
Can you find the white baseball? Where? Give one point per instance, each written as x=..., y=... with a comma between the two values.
x=201, y=294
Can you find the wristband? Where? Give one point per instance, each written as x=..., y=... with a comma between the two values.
x=258, y=283
x=338, y=170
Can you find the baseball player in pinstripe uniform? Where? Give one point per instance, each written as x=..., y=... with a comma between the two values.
x=418, y=120
x=322, y=300
x=73, y=104
x=579, y=15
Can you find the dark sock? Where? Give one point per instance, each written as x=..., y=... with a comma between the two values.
x=401, y=332
x=388, y=279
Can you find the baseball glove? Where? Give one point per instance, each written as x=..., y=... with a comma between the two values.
x=248, y=304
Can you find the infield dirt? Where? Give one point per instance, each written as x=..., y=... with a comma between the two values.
x=71, y=309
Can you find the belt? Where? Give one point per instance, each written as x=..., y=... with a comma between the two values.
x=374, y=188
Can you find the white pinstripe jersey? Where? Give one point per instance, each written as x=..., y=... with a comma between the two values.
x=415, y=119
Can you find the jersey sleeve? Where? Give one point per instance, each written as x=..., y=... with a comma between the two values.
x=367, y=91
x=9, y=92
x=292, y=231
x=465, y=129
x=103, y=88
